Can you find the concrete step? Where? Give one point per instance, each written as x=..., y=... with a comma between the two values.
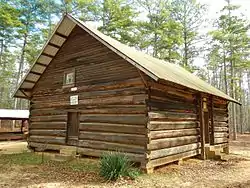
x=62, y=157
x=214, y=152
x=68, y=151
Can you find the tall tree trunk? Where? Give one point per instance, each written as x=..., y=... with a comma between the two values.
x=185, y=63
x=248, y=101
x=233, y=96
x=3, y=65
x=1, y=51
x=241, y=101
x=225, y=72
x=21, y=65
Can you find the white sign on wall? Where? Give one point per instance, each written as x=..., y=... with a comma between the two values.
x=74, y=100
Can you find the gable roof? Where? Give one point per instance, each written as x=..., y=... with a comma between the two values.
x=153, y=67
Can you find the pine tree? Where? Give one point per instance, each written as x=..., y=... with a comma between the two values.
x=190, y=15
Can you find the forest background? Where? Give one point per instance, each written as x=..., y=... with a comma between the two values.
x=215, y=47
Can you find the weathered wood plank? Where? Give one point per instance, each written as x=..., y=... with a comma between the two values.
x=133, y=139
x=173, y=133
x=97, y=94
x=220, y=129
x=167, y=106
x=220, y=118
x=133, y=82
x=171, y=90
x=48, y=132
x=59, y=118
x=221, y=134
x=172, y=116
x=220, y=124
x=172, y=142
x=47, y=139
x=134, y=99
x=47, y=111
x=111, y=146
x=130, y=119
x=220, y=140
x=46, y=146
x=47, y=125
x=173, y=150
x=172, y=158
x=109, y=127
x=158, y=125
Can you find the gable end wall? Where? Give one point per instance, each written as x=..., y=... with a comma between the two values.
x=112, y=109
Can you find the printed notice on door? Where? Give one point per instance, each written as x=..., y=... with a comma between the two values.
x=74, y=100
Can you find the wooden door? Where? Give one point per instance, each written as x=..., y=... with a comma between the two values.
x=72, y=128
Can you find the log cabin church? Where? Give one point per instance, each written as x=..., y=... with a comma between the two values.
x=90, y=93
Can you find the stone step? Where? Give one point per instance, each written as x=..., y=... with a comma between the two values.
x=68, y=151
x=62, y=157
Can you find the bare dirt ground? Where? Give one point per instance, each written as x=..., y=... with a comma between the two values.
x=9, y=147
x=26, y=170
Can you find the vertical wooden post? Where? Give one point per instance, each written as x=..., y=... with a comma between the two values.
x=212, y=121
x=202, y=128
x=22, y=125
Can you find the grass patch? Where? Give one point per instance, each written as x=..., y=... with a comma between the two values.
x=114, y=165
x=25, y=158
x=29, y=158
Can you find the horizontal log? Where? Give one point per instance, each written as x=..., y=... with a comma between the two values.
x=171, y=142
x=134, y=99
x=48, y=125
x=220, y=118
x=162, y=106
x=47, y=111
x=46, y=146
x=220, y=140
x=220, y=124
x=93, y=87
x=49, y=132
x=173, y=133
x=131, y=110
x=50, y=118
x=126, y=99
x=221, y=134
x=220, y=110
x=111, y=146
x=47, y=139
x=172, y=116
x=174, y=150
x=98, y=153
x=109, y=127
x=157, y=125
x=114, y=137
x=171, y=90
x=168, y=98
x=172, y=158
x=131, y=119
x=220, y=129
x=95, y=94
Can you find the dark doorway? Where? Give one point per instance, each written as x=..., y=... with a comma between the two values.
x=206, y=126
x=72, y=128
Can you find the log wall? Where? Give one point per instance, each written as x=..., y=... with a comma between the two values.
x=112, y=109
x=119, y=108
x=173, y=127
x=220, y=118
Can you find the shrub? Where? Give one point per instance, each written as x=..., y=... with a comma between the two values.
x=115, y=165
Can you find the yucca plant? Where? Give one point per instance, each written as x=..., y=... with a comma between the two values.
x=115, y=165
